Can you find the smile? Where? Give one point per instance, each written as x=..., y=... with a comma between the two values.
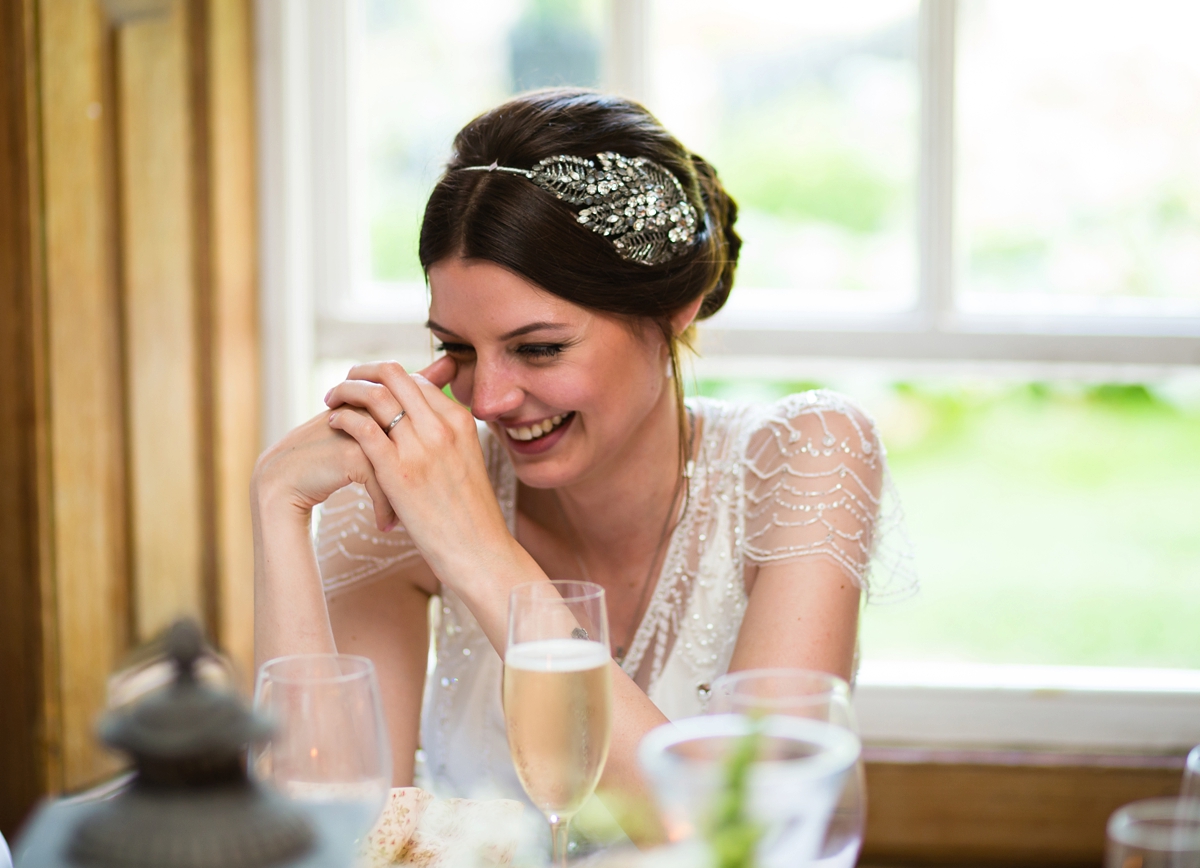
x=538, y=429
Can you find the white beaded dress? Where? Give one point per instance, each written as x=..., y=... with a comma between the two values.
x=802, y=478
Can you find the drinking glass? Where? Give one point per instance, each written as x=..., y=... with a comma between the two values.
x=558, y=697
x=1154, y=833
x=331, y=743
x=1191, y=775
x=791, y=784
x=816, y=696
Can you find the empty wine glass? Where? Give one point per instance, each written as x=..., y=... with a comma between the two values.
x=331, y=744
x=1191, y=775
x=558, y=697
x=1154, y=833
x=817, y=696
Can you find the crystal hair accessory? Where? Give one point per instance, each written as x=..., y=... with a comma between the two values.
x=634, y=202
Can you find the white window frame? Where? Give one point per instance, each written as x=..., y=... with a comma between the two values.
x=308, y=259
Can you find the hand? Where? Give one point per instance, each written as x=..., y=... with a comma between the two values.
x=429, y=465
x=309, y=464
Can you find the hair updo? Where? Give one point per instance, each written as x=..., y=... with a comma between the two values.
x=508, y=220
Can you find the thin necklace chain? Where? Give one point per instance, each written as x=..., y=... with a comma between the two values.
x=621, y=650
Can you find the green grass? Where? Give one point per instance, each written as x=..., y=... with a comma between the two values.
x=1052, y=524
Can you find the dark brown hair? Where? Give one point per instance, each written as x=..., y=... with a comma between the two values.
x=508, y=220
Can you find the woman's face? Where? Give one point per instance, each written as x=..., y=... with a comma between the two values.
x=567, y=390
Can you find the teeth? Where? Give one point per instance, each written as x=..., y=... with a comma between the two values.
x=537, y=429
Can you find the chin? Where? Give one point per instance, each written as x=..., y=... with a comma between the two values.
x=544, y=474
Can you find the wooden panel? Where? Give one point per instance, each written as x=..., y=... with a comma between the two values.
x=85, y=395
x=128, y=359
x=235, y=317
x=159, y=295
x=23, y=525
x=933, y=813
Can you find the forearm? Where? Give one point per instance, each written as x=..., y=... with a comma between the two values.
x=623, y=788
x=290, y=616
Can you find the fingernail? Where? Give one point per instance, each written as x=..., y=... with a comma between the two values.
x=327, y=394
x=391, y=525
x=421, y=379
x=332, y=416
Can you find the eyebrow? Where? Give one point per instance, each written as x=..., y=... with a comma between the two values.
x=541, y=325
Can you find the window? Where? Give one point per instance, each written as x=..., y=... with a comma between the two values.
x=978, y=217
x=1078, y=184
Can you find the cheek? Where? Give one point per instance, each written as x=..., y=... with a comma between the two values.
x=564, y=390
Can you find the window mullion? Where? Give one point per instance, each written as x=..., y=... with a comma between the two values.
x=329, y=87
x=935, y=47
x=626, y=60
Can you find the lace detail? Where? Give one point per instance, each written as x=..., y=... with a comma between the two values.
x=350, y=550
x=817, y=484
x=805, y=477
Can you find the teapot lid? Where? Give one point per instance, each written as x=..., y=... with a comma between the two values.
x=186, y=719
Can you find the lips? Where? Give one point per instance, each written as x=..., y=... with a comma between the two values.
x=537, y=430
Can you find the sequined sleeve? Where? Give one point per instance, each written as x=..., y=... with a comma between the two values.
x=817, y=486
x=350, y=550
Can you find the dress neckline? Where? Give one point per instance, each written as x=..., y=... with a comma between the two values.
x=641, y=636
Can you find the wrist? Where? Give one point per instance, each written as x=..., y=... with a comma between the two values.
x=485, y=573
x=274, y=503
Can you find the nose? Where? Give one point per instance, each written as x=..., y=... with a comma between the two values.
x=493, y=391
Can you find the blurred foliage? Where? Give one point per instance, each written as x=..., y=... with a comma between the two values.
x=732, y=834
x=1053, y=523
x=781, y=157
x=1007, y=256
x=395, y=235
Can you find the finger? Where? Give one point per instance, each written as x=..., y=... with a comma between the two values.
x=376, y=445
x=375, y=398
x=440, y=373
x=414, y=396
x=385, y=516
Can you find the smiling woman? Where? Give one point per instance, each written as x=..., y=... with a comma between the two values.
x=569, y=247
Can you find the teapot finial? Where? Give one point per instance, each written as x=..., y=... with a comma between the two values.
x=185, y=645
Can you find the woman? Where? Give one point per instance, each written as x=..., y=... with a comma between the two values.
x=570, y=246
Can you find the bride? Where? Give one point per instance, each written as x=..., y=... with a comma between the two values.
x=570, y=247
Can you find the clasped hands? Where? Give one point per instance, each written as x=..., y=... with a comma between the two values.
x=426, y=472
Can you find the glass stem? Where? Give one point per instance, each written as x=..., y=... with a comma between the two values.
x=558, y=840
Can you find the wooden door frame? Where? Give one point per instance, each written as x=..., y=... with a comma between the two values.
x=26, y=769
x=65, y=578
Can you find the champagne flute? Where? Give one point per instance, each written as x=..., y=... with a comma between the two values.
x=816, y=696
x=1154, y=833
x=558, y=697
x=1191, y=775
x=331, y=745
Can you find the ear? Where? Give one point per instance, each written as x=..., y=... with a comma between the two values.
x=685, y=316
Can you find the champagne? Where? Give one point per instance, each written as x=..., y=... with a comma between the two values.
x=558, y=713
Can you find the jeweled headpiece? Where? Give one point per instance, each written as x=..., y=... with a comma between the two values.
x=634, y=202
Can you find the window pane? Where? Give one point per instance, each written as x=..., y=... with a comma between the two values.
x=809, y=111
x=1053, y=523
x=1078, y=135
x=426, y=67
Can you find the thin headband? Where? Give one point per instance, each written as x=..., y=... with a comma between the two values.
x=634, y=202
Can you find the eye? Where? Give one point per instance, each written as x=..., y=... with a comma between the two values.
x=539, y=351
x=455, y=349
